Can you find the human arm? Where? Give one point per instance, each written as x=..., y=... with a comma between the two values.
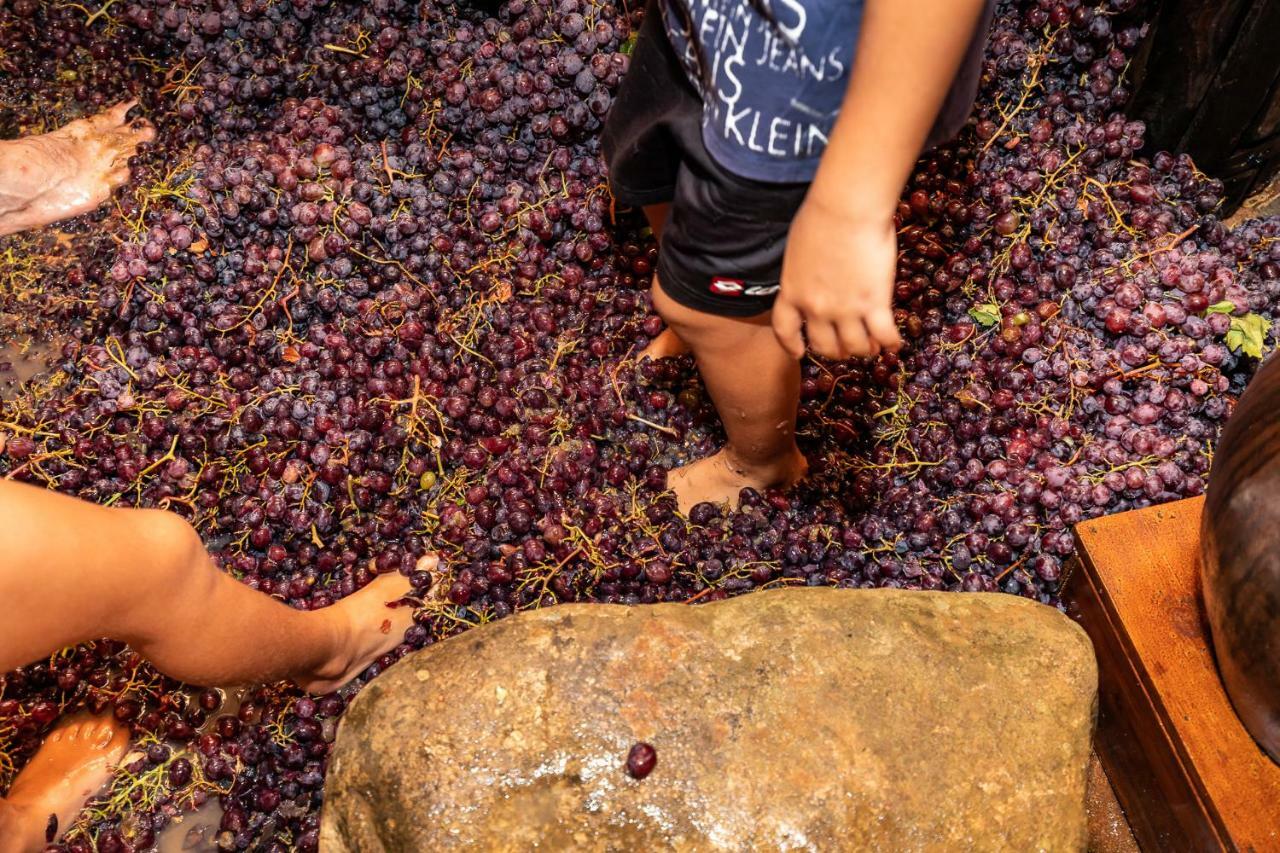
x=839, y=268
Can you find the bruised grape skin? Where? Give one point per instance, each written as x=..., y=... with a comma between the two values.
x=365, y=302
x=641, y=760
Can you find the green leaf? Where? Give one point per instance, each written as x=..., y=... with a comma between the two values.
x=1223, y=307
x=629, y=45
x=1248, y=334
x=987, y=314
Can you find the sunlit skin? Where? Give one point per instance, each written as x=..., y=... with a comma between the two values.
x=74, y=762
x=144, y=577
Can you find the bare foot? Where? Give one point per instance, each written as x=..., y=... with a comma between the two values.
x=370, y=629
x=74, y=761
x=666, y=345
x=69, y=171
x=719, y=478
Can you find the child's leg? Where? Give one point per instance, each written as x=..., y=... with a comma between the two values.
x=73, y=763
x=72, y=571
x=667, y=344
x=755, y=385
x=656, y=216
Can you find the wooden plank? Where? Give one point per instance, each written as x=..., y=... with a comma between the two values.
x=1238, y=187
x=1207, y=84
x=1249, y=168
x=1157, y=796
x=1187, y=772
x=1252, y=158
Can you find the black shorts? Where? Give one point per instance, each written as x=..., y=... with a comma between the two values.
x=722, y=246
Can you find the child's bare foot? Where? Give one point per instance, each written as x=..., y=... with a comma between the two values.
x=370, y=627
x=719, y=478
x=69, y=171
x=666, y=345
x=75, y=760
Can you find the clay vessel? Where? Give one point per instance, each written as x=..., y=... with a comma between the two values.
x=1240, y=549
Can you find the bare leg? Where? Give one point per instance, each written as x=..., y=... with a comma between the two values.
x=755, y=386
x=67, y=172
x=73, y=763
x=72, y=571
x=667, y=344
x=656, y=215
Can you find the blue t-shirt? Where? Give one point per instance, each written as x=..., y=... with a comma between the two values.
x=775, y=88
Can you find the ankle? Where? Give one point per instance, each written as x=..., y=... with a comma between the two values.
x=778, y=469
x=339, y=645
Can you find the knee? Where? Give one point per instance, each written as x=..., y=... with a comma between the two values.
x=165, y=572
x=172, y=545
x=678, y=317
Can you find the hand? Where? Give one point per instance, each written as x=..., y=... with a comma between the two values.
x=837, y=283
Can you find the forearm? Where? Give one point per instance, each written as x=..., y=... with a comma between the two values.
x=908, y=54
x=838, y=272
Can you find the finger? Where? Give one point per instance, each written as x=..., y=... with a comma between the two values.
x=853, y=338
x=787, y=322
x=883, y=329
x=823, y=339
x=872, y=343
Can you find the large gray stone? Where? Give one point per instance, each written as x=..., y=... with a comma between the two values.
x=801, y=719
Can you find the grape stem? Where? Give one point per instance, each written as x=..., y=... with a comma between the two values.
x=92, y=16
x=386, y=165
x=668, y=430
x=1001, y=576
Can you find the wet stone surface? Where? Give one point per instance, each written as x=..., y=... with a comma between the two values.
x=800, y=719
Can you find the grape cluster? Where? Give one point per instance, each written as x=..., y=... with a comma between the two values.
x=368, y=296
